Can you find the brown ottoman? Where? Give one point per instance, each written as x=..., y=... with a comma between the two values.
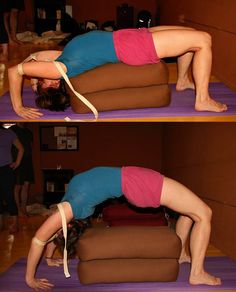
x=125, y=214
x=128, y=254
x=121, y=86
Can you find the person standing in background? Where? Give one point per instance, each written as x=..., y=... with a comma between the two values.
x=11, y=10
x=3, y=38
x=7, y=177
x=24, y=174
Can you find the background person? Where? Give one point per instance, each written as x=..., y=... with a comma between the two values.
x=11, y=10
x=7, y=177
x=24, y=174
x=3, y=38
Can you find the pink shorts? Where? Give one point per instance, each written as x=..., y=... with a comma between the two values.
x=135, y=46
x=142, y=187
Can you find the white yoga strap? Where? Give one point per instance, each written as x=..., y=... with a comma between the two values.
x=20, y=66
x=30, y=58
x=39, y=242
x=20, y=70
x=81, y=97
x=43, y=243
x=64, y=229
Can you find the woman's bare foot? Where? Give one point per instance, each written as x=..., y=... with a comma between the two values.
x=184, y=84
x=13, y=41
x=184, y=258
x=51, y=262
x=3, y=57
x=210, y=105
x=204, y=278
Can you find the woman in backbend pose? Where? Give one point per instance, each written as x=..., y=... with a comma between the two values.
x=142, y=187
x=130, y=46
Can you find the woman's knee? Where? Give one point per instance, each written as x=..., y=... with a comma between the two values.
x=208, y=212
x=205, y=213
x=205, y=39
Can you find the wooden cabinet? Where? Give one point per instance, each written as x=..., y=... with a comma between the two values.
x=55, y=182
x=47, y=14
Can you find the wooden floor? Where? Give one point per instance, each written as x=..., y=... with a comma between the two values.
x=13, y=247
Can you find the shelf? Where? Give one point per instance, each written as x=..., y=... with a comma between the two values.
x=47, y=13
x=55, y=183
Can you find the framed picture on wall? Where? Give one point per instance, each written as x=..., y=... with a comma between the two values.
x=53, y=138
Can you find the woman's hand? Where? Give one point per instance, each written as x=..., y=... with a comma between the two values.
x=34, y=84
x=54, y=262
x=39, y=284
x=28, y=112
x=14, y=165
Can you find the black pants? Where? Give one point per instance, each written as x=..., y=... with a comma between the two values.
x=7, y=183
x=3, y=32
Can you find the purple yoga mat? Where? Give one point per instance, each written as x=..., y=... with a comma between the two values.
x=13, y=279
x=182, y=105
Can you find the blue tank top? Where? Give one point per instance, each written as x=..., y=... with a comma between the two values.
x=87, y=51
x=92, y=187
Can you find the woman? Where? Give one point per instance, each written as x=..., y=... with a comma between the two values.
x=11, y=11
x=7, y=178
x=4, y=41
x=142, y=187
x=24, y=174
x=130, y=46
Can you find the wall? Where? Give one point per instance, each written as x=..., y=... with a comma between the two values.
x=103, y=10
x=100, y=10
x=203, y=157
x=114, y=144
x=216, y=17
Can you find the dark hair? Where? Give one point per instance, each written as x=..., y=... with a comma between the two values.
x=74, y=230
x=53, y=99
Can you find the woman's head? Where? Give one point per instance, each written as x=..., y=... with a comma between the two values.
x=74, y=230
x=52, y=95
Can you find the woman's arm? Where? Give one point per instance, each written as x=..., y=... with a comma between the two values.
x=15, y=87
x=48, y=55
x=49, y=252
x=44, y=233
x=20, y=153
x=42, y=69
x=32, y=69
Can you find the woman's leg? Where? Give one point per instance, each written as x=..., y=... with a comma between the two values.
x=179, y=42
x=21, y=197
x=4, y=53
x=168, y=27
x=3, y=40
x=14, y=15
x=183, y=66
x=8, y=192
x=183, y=62
x=179, y=198
x=24, y=196
x=183, y=228
x=17, y=191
